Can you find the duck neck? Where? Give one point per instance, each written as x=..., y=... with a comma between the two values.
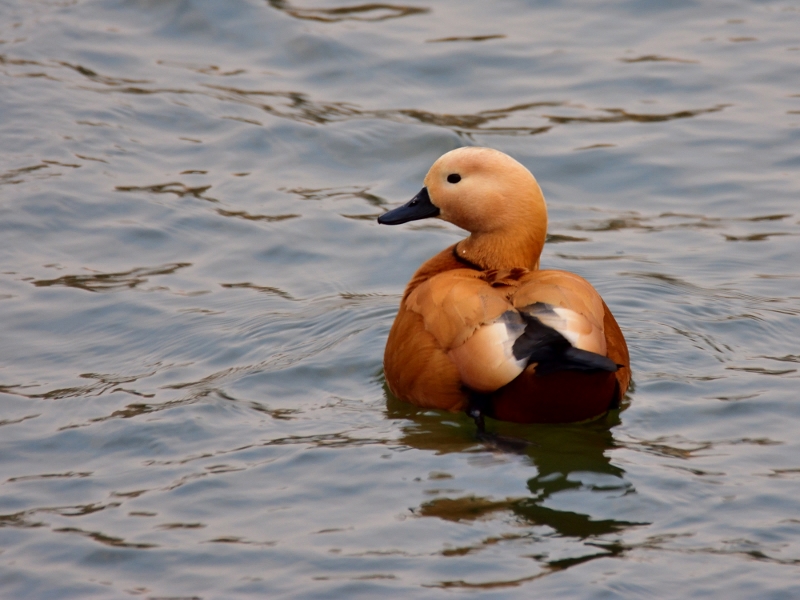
x=501, y=251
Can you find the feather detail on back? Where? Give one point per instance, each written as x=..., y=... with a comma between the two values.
x=493, y=324
x=455, y=303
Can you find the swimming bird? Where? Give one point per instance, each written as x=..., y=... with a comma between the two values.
x=480, y=327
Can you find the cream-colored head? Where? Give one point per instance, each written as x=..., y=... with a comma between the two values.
x=497, y=200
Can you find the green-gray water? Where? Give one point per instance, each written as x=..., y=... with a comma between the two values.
x=195, y=297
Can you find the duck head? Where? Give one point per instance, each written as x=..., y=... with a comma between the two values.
x=492, y=196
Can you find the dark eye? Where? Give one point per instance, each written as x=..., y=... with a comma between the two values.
x=453, y=178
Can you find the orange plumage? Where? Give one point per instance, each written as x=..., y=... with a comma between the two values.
x=480, y=327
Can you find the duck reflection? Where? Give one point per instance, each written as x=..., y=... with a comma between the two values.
x=566, y=457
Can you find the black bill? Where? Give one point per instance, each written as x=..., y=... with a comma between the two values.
x=419, y=207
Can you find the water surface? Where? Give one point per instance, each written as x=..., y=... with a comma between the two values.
x=195, y=297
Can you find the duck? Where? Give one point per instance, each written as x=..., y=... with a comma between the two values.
x=481, y=328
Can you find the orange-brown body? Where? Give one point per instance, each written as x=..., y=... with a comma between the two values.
x=419, y=370
x=455, y=343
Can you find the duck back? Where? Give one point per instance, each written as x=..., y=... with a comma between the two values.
x=522, y=345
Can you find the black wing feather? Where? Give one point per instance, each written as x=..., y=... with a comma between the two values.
x=552, y=352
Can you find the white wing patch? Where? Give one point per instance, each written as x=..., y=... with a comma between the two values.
x=486, y=360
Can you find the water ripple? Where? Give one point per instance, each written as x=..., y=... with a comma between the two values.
x=299, y=106
x=372, y=11
x=232, y=157
x=110, y=282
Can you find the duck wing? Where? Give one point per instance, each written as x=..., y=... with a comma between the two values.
x=474, y=323
x=565, y=323
x=550, y=332
x=494, y=325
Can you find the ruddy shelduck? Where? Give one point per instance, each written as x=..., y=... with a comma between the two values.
x=480, y=328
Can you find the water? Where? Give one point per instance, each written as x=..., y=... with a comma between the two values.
x=195, y=298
